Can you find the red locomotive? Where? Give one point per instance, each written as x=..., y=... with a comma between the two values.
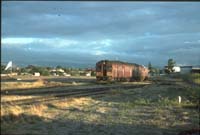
x=120, y=71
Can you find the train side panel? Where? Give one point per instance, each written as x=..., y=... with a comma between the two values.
x=121, y=71
x=106, y=70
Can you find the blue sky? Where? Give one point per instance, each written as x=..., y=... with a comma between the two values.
x=82, y=33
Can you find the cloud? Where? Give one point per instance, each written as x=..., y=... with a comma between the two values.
x=132, y=31
x=99, y=52
x=51, y=42
x=192, y=42
x=86, y=19
x=18, y=41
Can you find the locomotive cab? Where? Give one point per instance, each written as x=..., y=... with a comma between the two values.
x=120, y=71
x=103, y=70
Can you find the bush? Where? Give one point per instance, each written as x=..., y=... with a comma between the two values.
x=93, y=73
x=45, y=73
x=193, y=94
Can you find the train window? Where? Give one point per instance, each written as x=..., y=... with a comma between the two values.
x=109, y=68
x=98, y=68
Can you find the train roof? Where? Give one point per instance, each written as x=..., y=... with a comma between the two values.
x=119, y=62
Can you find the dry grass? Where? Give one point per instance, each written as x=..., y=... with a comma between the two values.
x=37, y=84
x=104, y=109
x=12, y=98
x=22, y=85
x=41, y=110
x=153, y=109
x=17, y=110
x=145, y=82
x=74, y=102
x=37, y=110
x=11, y=110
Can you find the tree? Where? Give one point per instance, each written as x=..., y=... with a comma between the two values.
x=93, y=73
x=22, y=70
x=48, y=68
x=150, y=67
x=68, y=70
x=170, y=66
x=3, y=71
x=58, y=67
x=44, y=72
x=157, y=71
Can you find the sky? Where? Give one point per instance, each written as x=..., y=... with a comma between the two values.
x=78, y=34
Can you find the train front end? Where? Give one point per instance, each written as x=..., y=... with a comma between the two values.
x=103, y=70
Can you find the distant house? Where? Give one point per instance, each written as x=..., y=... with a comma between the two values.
x=54, y=74
x=53, y=70
x=88, y=74
x=186, y=69
x=90, y=71
x=14, y=74
x=60, y=70
x=176, y=69
x=57, y=72
x=36, y=74
x=4, y=75
x=195, y=69
x=65, y=74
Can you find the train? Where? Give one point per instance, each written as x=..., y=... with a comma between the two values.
x=109, y=70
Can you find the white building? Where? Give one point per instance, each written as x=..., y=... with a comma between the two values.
x=88, y=74
x=36, y=74
x=177, y=69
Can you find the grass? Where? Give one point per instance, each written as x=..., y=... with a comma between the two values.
x=153, y=109
x=38, y=84
x=12, y=98
x=191, y=78
x=22, y=85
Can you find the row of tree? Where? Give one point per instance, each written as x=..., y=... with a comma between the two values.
x=45, y=71
x=169, y=68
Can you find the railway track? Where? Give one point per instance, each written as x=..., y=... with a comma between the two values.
x=43, y=91
x=63, y=94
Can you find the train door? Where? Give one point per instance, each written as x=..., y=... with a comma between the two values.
x=137, y=71
x=104, y=70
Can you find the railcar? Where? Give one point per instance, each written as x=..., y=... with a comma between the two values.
x=120, y=71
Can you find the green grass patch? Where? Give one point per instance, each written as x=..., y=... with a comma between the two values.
x=191, y=78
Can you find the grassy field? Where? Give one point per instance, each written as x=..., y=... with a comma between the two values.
x=190, y=78
x=153, y=110
x=10, y=83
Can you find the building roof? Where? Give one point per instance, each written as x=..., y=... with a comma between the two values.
x=196, y=68
x=185, y=66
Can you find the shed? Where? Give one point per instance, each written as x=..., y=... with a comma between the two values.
x=196, y=69
x=186, y=69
